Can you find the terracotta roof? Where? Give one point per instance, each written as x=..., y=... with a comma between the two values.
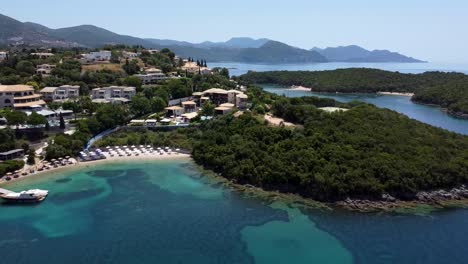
x=215, y=90
x=174, y=108
x=228, y=105
x=16, y=88
x=28, y=104
x=223, y=108
x=34, y=96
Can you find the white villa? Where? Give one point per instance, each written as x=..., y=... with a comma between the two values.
x=129, y=55
x=44, y=69
x=152, y=76
x=102, y=55
x=63, y=92
x=113, y=94
x=3, y=55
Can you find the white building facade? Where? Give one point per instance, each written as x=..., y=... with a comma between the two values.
x=61, y=93
x=112, y=94
x=102, y=55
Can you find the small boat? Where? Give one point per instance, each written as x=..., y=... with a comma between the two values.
x=34, y=195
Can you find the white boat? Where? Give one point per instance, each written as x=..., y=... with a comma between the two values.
x=34, y=195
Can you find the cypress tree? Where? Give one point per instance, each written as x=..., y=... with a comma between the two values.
x=62, y=122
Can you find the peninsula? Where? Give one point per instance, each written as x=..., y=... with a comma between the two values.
x=446, y=90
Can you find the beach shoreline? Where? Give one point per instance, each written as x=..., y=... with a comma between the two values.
x=396, y=93
x=86, y=164
x=299, y=88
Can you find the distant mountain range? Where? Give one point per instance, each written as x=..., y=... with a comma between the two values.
x=14, y=32
x=355, y=53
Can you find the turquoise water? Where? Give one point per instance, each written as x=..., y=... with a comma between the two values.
x=236, y=69
x=169, y=212
x=402, y=104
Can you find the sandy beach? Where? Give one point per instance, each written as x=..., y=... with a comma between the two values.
x=84, y=164
x=299, y=88
x=395, y=93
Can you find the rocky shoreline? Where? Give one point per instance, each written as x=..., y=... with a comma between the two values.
x=438, y=198
x=460, y=115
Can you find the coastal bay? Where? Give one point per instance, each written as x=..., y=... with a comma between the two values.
x=170, y=202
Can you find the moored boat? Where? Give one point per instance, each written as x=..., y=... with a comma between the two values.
x=34, y=195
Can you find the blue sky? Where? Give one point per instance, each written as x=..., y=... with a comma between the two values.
x=432, y=30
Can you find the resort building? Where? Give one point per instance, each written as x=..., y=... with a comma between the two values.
x=216, y=95
x=102, y=55
x=3, y=55
x=187, y=117
x=174, y=111
x=44, y=69
x=189, y=106
x=113, y=94
x=241, y=101
x=63, y=92
x=12, y=154
x=42, y=55
x=129, y=55
x=151, y=76
x=205, y=71
x=19, y=97
x=222, y=110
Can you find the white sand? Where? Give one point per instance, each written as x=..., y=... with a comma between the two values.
x=299, y=88
x=172, y=156
x=395, y=93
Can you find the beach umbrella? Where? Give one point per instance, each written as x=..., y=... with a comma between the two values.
x=9, y=173
x=148, y=146
x=177, y=150
x=53, y=160
x=67, y=157
x=60, y=158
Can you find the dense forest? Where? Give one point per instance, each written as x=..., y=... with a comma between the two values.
x=363, y=152
x=448, y=90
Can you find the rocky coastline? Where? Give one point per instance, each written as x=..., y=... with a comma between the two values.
x=437, y=199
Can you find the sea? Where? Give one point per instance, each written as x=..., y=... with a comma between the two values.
x=171, y=212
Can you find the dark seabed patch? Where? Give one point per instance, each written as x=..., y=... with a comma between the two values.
x=64, y=180
x=63, y=198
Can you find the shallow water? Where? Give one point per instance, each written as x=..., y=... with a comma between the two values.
x=169, y=212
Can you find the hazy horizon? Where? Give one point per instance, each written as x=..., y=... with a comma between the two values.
x=426, y=30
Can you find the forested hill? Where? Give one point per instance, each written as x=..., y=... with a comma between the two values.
x=364, y=152
x=448, y=90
